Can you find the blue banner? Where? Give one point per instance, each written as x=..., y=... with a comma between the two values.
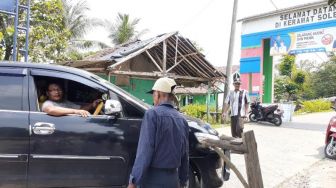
x=307, y=50
x=8, y=5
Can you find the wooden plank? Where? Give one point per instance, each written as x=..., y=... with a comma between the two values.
x=225, y=145
x=177, y=38
x=198, y=70
x=164, y=61
x=158, y=74
x=153, y=60
x=174, y=65
x=187, y=55
x=252, y=161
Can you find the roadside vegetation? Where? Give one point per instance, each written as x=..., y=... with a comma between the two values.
x=308, y=85
x=63, y=40
x=199, y=111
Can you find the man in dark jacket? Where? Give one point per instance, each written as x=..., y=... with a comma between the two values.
x=162, y=154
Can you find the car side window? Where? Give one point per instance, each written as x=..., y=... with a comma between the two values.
x=130, y=110
x=11, y=88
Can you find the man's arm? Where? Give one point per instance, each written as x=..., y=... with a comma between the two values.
x=60, y=111
x=247, y=102
x=145, y=148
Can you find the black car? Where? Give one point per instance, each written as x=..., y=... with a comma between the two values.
x=39, y=150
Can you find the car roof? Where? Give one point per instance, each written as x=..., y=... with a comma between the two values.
x=46, y=66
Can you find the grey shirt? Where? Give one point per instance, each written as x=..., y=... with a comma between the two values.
x=63, y=104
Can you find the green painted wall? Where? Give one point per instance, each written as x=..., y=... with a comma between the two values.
x=140, y=87
x=137, y=87
x=267, y=72
x=200, y=99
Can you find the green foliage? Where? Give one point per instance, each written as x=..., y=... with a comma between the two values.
x=319, y=105
x=6, y=41
x=124, y=29
x=324, y=80
x=199, y=111
x=300, y=77
x=287, y=65
x=331, y=2
x=49, y=36
x=54, y=26
x=293, y=82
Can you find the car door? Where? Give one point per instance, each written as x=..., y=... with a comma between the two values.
x=72, y=151
x=14, y=132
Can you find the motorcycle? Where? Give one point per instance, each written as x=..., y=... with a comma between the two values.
x=270, y=113
x=330, y=140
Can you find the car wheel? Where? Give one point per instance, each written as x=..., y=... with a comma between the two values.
x=330, y=149
x=277, y=120
x=252, y=117
x=195, y=179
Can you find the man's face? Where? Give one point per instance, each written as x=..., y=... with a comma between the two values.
x=156, y=98
x=237, y=86
x=55, y=92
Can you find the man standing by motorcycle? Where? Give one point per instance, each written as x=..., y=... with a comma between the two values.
x=238, y=101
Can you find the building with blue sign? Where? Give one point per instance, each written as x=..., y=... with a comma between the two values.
x=302, y=29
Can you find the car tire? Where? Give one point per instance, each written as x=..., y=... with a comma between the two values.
x=329, y=149
x=195, y=179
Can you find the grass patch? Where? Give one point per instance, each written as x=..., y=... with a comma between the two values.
x=312, y=106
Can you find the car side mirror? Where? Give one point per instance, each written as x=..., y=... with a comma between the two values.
x=112, y=107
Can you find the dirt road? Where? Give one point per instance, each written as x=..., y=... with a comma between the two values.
x=287, y=150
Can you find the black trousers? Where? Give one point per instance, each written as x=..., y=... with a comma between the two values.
x=236, y=130
x=161, y=178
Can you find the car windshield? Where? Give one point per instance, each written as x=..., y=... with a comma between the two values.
x=119, y=90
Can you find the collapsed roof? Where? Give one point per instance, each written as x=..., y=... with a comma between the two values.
x=165, y=55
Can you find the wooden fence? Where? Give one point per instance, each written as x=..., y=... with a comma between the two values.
x=246, y=146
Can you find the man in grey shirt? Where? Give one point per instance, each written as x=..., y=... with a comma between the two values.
x=56, y=105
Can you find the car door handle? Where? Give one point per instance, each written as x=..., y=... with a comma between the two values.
x=42, y=128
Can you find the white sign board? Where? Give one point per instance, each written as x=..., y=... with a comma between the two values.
x=298, y=17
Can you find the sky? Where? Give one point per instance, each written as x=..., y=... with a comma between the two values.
x=205, y=21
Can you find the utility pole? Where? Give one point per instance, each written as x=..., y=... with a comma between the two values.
x=230, y=52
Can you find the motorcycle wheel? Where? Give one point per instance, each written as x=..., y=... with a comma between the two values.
x=330, y=149
x=252, y=117
x=277, y=120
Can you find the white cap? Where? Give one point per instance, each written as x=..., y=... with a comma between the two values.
x=164, y=84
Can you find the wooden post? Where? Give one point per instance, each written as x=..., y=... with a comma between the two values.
x=164, y=57
x=252, y=161
x=217, y=115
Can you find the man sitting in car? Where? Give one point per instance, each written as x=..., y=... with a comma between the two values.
x=56, y=105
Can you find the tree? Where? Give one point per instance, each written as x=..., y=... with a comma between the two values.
x=78, y=23
x=6, y=36
x=287, y=65
x=49, y=36
x=292, y=82
x=331, y=2
x=324, y=80
x=124, y=29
